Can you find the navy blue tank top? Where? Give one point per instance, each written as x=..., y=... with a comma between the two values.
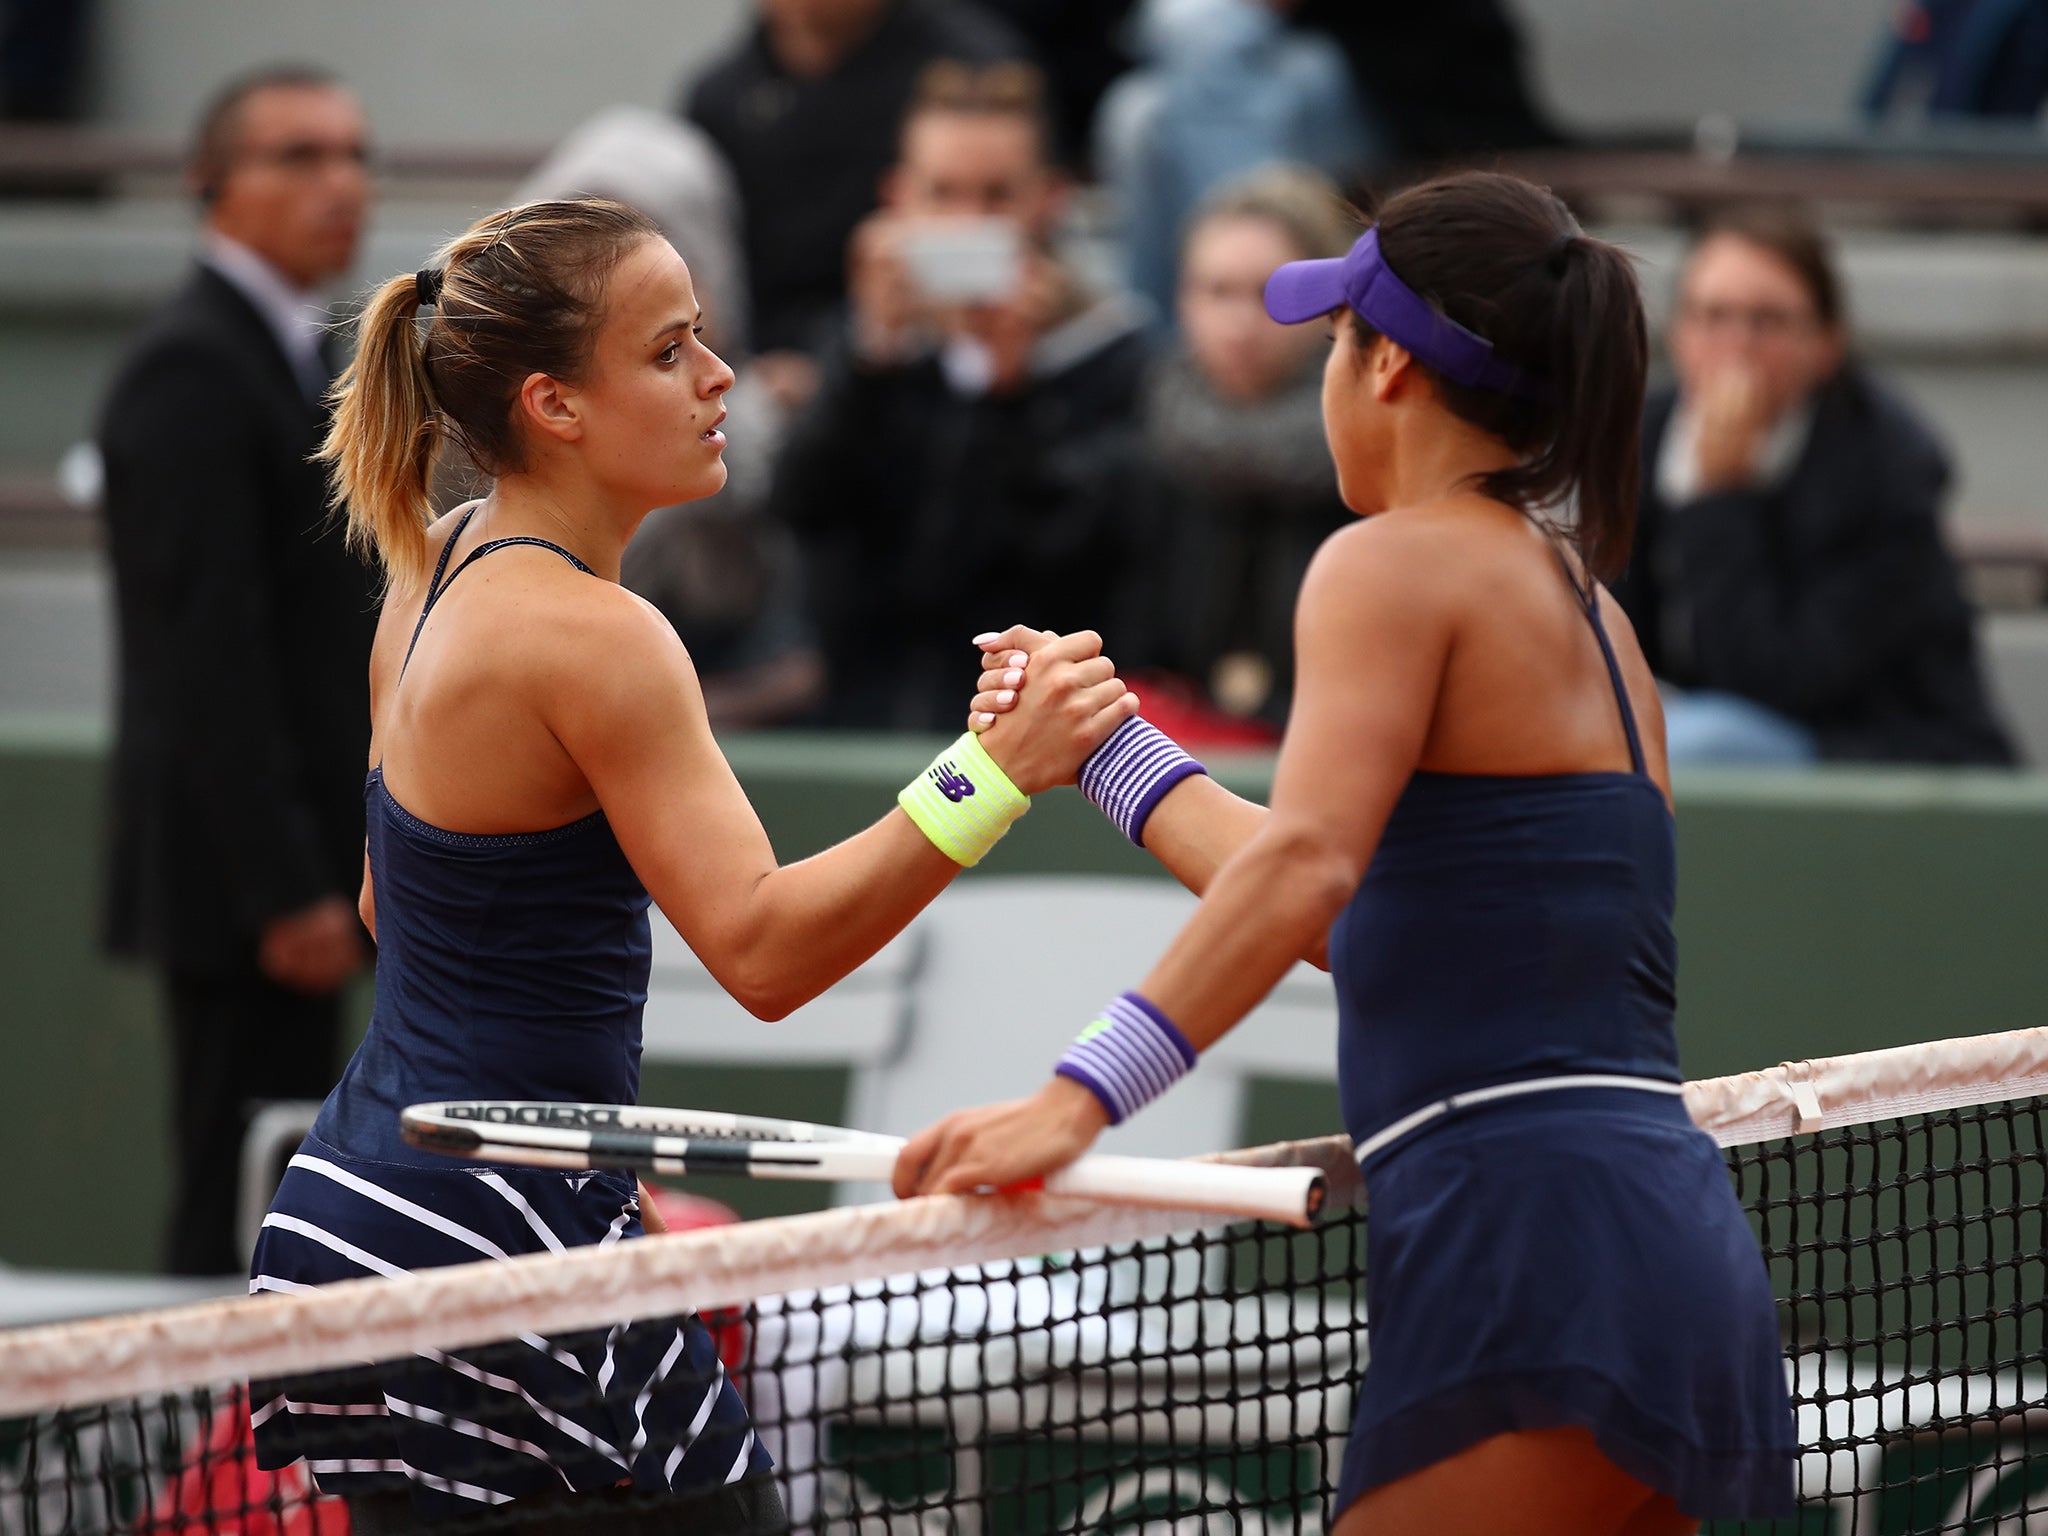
x=1509, y=928
x=509, y=966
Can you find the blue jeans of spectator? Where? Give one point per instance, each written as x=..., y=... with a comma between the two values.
x=1707, y=727
x=1227, y=87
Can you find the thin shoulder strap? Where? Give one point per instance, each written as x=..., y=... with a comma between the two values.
x=434, y=586
x=1589, y=601
x=439, y=585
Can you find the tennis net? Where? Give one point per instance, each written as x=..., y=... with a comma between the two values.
x=1034, y=1365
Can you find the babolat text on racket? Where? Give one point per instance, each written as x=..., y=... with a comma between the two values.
x=687, y=1143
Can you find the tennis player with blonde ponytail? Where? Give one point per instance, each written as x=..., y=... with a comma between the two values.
x=541, y=766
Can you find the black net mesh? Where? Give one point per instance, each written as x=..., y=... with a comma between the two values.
x=1202, y=1381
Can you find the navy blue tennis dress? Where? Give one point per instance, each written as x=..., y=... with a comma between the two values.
x=1564, y=1254
x=511, y=967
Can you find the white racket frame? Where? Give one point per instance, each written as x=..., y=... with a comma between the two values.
x=800, y=1150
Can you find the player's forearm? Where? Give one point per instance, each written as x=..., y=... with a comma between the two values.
x=809, y=925
x=1264, y=910
x=1198, y=828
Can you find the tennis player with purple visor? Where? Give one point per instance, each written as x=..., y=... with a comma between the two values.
x=1527, y=1268
x=1572, y=1330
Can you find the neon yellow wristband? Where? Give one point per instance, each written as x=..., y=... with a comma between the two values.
x=964, y=803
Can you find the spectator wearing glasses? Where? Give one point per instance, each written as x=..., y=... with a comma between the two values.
x=1789, y=582
x=1242, y=489
x=245, y=628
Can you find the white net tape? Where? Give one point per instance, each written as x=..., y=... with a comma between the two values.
x=178, y=1348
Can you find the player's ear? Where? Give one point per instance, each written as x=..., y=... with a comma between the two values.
x=1391, y=366
x=549, y=406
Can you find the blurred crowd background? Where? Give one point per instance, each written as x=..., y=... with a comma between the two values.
x=989, y=272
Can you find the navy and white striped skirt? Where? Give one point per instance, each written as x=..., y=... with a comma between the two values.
x=645, y=1403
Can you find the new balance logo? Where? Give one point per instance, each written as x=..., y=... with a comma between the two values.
x=952, y=783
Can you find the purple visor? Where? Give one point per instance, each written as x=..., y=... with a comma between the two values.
x=1303, y=290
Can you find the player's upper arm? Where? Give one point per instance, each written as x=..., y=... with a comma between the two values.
x=1373, y=633
x=621, y=696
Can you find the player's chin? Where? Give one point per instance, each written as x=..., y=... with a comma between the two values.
x=701, y=479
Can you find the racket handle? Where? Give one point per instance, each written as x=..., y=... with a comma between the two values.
x=1292, y=1195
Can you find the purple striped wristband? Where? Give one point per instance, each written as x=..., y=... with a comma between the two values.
x=1129, y=774
x=1129, y=1056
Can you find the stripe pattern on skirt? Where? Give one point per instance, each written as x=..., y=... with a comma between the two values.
x=646, y=1402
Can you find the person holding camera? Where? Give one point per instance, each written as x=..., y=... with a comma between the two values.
x=805, y=108
x=974, y=450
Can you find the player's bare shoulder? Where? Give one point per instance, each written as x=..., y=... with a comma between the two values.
x=609, y=662
x=1417, y=550
x=597, y=626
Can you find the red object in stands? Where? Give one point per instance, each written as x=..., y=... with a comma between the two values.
x=220, y=1490
x=684, y=1212
x=1178, y=708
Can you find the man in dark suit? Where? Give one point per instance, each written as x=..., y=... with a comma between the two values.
x=245, y=628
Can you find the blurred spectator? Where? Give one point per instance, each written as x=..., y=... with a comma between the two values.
x=43, y=45
x=245, y=627
x=1962, y=58
x=1442, y=81
x=723, y=571
x=1789, y=579
x=806, y=109
x=1242, y=487
x=1227, y=85
x=1081, y=46
x=726, y=572
x=971, y=460
x=675, y=174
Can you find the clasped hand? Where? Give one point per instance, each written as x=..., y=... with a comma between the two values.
x=1040, y=736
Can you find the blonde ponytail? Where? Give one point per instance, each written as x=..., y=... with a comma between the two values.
x=386, y=432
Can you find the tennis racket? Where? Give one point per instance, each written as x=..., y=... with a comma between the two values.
x=688, y=1142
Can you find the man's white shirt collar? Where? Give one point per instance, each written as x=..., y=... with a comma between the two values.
x=296, y=317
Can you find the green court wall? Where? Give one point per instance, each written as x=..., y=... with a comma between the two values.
x=1818, y=913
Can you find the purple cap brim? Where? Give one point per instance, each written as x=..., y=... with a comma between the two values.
x=1303, y=290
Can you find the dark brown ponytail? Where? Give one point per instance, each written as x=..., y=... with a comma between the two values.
x=1506, y=260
